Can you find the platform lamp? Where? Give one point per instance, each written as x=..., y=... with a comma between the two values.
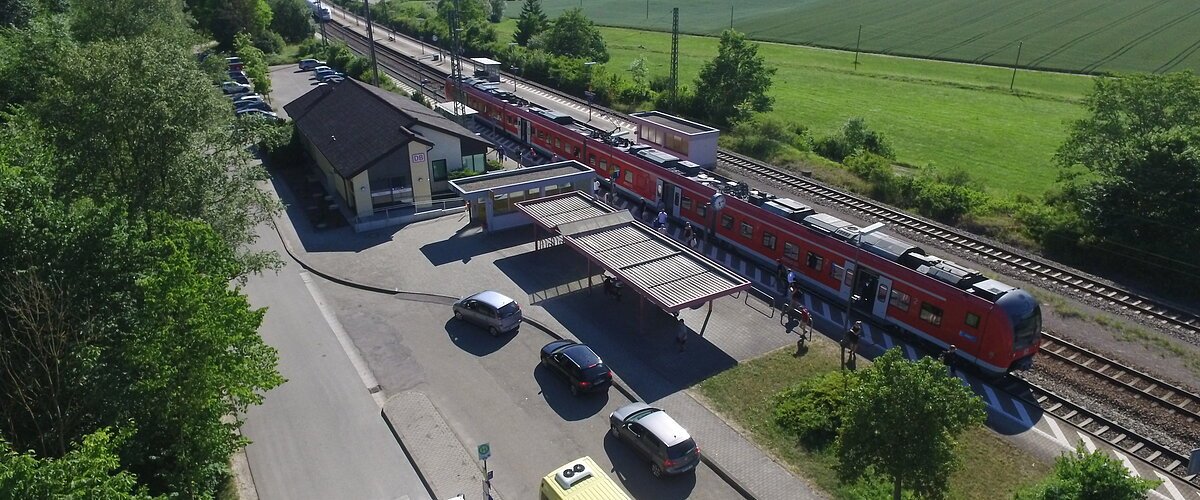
x=591, y=96
x=856, y=240
x=512, y=53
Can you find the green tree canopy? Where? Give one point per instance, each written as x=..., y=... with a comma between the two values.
x=91, y=470
x=16, y=13
x=735, y=83
x=573, y=35
x=900, y=420
x=291, y=19
x=532, y=22
x=96, y=20
x=1132, y=167
x=224, y=19
x=477, y=33
x=1089, y=476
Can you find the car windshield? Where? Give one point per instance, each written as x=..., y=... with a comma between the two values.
x=681, y=449
x=509, y=309
x=640, y=413
x=582, y=356
x=595, y=371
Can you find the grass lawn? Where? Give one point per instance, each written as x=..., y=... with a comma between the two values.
x=992, y=468
x=944, y=114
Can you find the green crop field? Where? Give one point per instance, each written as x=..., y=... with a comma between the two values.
x=939, y=113
x=1073, y=35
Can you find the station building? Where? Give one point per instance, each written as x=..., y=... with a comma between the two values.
x=691, y=141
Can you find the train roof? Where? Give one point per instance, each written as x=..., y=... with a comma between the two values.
x=891, y=248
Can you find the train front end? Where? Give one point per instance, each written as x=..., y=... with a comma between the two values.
x=1025, y=326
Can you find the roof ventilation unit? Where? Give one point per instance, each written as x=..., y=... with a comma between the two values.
x=572, y=474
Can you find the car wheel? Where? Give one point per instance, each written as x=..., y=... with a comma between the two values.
x=458, y=315
x=495, y=332
x=574, y=390
x=656, y=469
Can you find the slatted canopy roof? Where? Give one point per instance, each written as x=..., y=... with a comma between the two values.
x=665, y=272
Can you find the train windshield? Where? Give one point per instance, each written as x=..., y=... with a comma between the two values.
x=1027, y=327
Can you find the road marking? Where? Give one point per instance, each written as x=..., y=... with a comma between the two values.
x=1170, y=485
x=912, y=353
x=1022, y=414
x=991, y=395
x=1058, y=433
x=1128, y=465
x=887, y=341
x=1087, y=443
x=360, y=365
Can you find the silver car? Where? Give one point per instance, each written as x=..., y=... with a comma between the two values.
x=657, y=437
x=492, y=310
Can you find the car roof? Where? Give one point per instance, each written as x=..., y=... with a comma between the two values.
x=582, y=355
x=665, y=428
x=491, y=298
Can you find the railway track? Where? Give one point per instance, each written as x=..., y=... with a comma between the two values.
x=1129, y=382
x=1185, y=323
x=391, y=61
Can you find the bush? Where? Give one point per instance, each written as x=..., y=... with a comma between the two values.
x=494, y=165
x=810, y=410
x=940, y=201
x=877, y=171
x=269, y=42
x=854, y=137
x=459, y=174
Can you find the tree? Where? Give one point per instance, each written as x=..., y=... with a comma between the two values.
x=16, y=13
x=496, y=10
x=255, y=63
x=735, y=82
x=291, y=20
x=900, y=420
x=96, y=20
x=574, y=35
x=477, y=33
x=226, y=18
x=532, y=22
x=1131, y=170
x=1081, y=475
x=91, y=470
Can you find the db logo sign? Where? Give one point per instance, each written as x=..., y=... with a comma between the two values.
x=418, y=158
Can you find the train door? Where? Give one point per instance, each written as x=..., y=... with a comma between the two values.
x=524, y=127
x=669, y=195
x=883, y=295
x=862, y=294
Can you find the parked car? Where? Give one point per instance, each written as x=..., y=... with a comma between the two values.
x=310, y=64
x=250, y=97
x=491, y=310
x=239, y=76
x=236, y=88
x=319, y=74
x=235, y=63
x=334, y=78
x=258, y=114
x=579, y=364
x=657, y=437
x=242, y=105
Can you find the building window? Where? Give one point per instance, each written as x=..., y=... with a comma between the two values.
x=747, y=230
x=439, y=170
x=686, y=203
x=816, y=262
x=931, y=314
x=790, y=251
x=972, y=320
x=768, y=240
x=900, y=300
x=727, y=222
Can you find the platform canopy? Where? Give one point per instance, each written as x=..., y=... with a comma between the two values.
x=665, y=272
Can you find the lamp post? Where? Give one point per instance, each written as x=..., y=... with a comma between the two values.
x=588, y=93
x=511, y=52
x=856, y=240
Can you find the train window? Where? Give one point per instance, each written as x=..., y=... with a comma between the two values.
x=557, y=143
x=702, y=210
x=629, y=176
x=768, y=240
x=686, y=203
x=972, y=320
x=900, y=300
x=541, y=134
x=791, y=251
x=592, y=160
x=747, y=229
x=815, y=261
x=603, y=165
x=727, y=222
x=931, y=314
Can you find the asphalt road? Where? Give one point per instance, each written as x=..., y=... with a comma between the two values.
x=492, y=390
x=320, y=435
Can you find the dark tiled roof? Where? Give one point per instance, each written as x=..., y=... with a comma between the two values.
x=354, y=124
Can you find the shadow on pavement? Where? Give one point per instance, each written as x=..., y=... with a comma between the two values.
x=475, y=339
x=637, y=342
x=319, y=228
x=634, y=473
x=469, y=243
x=558, y=396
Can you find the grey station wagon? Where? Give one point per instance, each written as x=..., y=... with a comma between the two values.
x=657, y=437
x=491, y=310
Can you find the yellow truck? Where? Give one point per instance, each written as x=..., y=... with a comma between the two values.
x=581, y=479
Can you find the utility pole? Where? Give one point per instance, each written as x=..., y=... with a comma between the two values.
x=730, y=16
x=371, y=41
x=456, y=62
x=856, y=46
x=1015, y=64
x=674, y=54
x=647, y=9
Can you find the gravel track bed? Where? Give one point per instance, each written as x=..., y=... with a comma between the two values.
x=1139, y=415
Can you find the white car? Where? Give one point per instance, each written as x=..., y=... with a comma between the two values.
x=258, y=113
x=235, y=88
x=250, y=98
x=310, y=64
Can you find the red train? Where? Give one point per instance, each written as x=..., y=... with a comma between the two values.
x=995, y=326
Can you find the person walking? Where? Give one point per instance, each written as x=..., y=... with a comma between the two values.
x=850, y=343
x=689, y=234
x=948, y=357
x=596, y=188
x=681, y=336
x=781, y=272
x=662, y=219
x=805, y=330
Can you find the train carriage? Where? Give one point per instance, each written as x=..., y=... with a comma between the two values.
x=994, y=325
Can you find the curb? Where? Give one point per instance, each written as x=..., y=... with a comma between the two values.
x=447, y=300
